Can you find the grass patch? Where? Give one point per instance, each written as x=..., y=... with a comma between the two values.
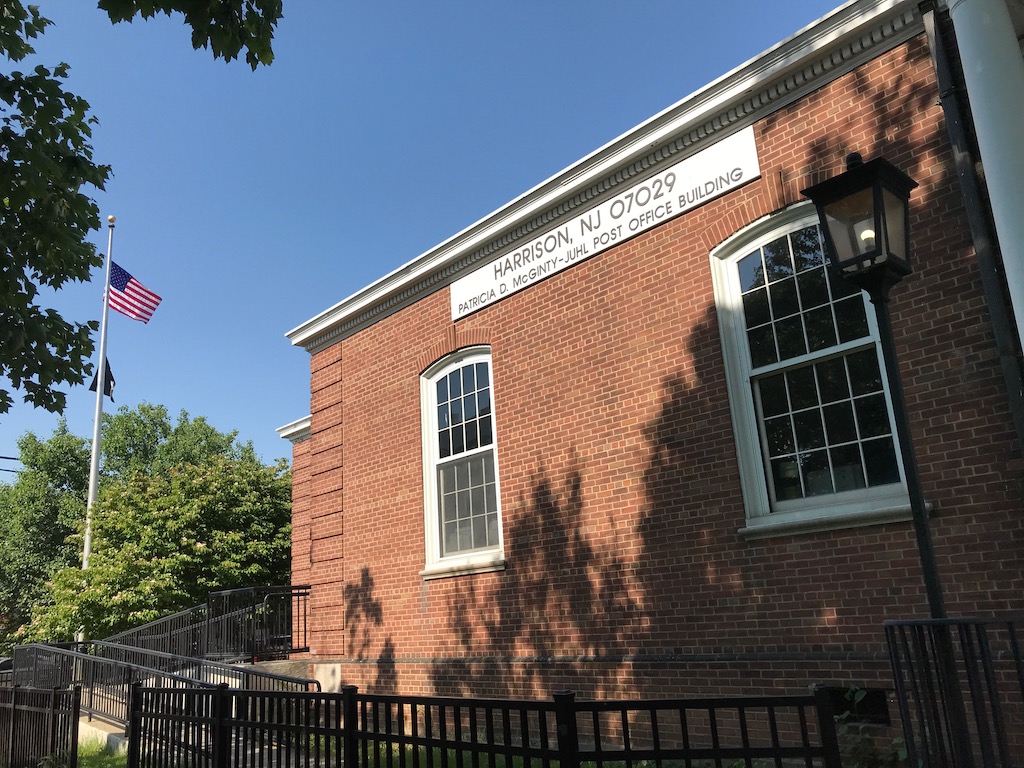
x=98, y=756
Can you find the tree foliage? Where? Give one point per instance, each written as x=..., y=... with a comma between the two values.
x=183, y=509
x=47, y=174
x=38, y=512
x=162, y=541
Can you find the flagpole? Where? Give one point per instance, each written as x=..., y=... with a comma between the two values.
x=101, y=386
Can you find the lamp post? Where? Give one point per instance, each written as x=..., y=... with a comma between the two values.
x=864, y=216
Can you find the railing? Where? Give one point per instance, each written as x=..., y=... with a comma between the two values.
x=960, y=686
x=36, y=725
x=250, y=624
x=106, y=671
x=224, y=727
x=182, y=633
x=256, y=623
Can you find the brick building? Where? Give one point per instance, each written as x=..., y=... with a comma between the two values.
x=628, y=435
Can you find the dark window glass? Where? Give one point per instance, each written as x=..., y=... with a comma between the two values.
x=802, y=392
x=755, y=308
x=809, y=432
x=773, y=394
x=839, y=423
x=784, y=300
x=762, y=346
x=791, y=337
x=813, y=288
x=817, y=477
x=750, y=271
x=820, y=332
x=778, y=263
x=880, y=462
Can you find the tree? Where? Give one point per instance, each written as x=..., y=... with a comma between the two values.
x=47, y=173
x=162, y=541
x=43, y=511
x=38, y=512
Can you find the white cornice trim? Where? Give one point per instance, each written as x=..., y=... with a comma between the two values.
x=813, y=56
x=297, y=431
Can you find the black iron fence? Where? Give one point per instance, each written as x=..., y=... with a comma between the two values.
x=223, y=727
x=106, y=672
x=38, y=726
x=960, y=687
x=182, y=634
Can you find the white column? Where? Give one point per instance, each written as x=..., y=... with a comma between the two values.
x=994, y=71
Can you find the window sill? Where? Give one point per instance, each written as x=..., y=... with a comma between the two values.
x=787, y=524
x=464, y=566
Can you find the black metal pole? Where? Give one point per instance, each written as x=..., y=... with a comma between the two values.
x=959, y=735
x=933, y=588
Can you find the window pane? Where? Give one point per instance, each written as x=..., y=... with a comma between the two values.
x=832, y=380
x=773, y=394
x=469, y=379
x=791, y=337
x=784, y=301
x=807, y=248
x=850, y=319
x=762, y=346
x=472, y=439
x=443, y=418
x=880, y=462
x=776, y=259
x=813, y=288
x=809, y=432
x=458, y=440
x=479, y=532
x=486, y=438
x=820, y=332
x=802, y=392
x=455, y=384
x=865, y=375
x=469, y=407
x=786, y=479
x=755, y=308
x=872, y=416
x=817, y=477
x=455, y=408
x=451, y=537
x=483, y=379
x=839, y=423
x=468, y=504
x=483, y=402
x=750, y=271
x=476, y=471
x=779, y=434
x=846, y=468
x=442, y=390
x=444, y=443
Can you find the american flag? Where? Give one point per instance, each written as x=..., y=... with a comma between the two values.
x=130, y=297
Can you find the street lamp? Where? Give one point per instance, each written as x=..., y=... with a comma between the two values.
x=864, y=216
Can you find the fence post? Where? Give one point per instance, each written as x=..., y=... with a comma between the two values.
x=350, y=726
x=14, y=725
x=74, y=713
x=827, y=726
x=134, y=725
x=221, y=728
x=51, y=721
x=568, y=736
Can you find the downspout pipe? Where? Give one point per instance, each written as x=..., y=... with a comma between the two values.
x=1004, y=330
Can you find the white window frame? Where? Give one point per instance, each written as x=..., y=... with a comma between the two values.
x=478, y=561
x=845, y=509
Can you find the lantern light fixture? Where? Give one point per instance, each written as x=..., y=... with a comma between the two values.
x=865, y=222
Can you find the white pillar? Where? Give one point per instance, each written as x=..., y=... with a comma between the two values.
x=994, y=71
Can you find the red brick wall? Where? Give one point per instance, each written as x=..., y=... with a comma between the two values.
x=619, y=484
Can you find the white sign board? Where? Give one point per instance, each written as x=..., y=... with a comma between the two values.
x=688, y=184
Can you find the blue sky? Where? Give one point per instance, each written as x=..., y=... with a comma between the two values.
x=253, y=201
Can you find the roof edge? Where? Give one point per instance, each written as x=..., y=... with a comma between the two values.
x=819, y=52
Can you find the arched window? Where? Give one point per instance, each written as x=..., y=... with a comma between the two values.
x=462, y=500
x=812, y=417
